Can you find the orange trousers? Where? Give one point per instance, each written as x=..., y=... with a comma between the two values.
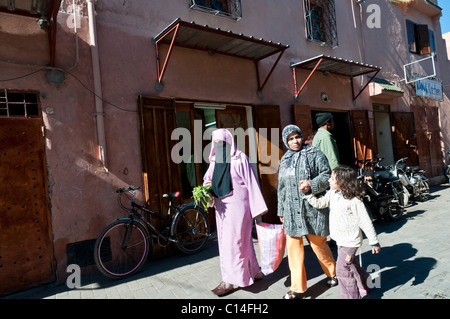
x=296, y=257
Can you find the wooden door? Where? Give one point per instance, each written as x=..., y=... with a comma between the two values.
x=428, y=139
x=26, y=245
x=435, y=141
x=266, y=118
x=362, y=137
x=302, y=118
x=160, y=173
x=404, y=137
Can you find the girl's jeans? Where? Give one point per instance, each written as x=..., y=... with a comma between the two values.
x=351, y=276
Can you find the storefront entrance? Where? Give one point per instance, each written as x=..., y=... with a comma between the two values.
x=167, y=167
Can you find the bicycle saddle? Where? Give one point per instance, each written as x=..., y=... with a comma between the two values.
x=172, y=195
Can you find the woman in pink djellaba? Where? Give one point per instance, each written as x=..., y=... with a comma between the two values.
x=237, y=201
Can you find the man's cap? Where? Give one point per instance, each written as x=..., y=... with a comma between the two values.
x=323, y=118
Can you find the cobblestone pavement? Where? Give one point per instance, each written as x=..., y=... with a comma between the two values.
x=413, y=264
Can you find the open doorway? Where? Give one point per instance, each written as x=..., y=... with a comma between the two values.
x=197, y=118
x=342, y=134
x=383, y=137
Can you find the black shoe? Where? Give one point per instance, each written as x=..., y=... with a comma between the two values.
x=332, y=281
x=259, y=276
x=294, y=295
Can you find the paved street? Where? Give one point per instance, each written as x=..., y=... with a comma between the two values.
x=412, y=264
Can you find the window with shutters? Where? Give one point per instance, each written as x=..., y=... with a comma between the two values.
x=432, y=43
x=418, y=37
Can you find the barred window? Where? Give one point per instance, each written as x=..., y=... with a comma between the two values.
x=226, y=8
x=320, y=18
x=18, y=104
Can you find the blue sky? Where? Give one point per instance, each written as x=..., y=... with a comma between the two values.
x=445, y=19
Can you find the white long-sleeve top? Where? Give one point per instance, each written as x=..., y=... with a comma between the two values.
x=347, y=218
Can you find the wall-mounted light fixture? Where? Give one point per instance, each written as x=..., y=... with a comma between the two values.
x=324, y=97
x=43, y=22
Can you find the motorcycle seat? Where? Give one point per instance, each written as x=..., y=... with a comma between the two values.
x=383, y=174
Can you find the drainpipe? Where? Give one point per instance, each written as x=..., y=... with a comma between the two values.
x=99, y=114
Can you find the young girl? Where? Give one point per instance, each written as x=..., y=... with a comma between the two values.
x=348, y=216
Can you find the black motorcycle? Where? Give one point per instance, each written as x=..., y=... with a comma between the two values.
x=385, y=194
x=413, y=179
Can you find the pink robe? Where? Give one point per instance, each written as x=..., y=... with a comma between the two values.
x=234, y=216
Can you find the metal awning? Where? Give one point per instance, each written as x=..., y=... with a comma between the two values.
x=214, y=40
x=328, y=64
x=45, y=10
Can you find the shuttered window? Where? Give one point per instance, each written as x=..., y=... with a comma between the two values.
x=418, y=38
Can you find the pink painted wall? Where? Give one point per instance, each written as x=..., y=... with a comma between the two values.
x=81, y=192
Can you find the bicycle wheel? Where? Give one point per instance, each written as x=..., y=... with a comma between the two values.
x=190, y=229
x=121, y=249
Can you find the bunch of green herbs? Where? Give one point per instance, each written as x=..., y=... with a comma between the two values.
x=202, y=195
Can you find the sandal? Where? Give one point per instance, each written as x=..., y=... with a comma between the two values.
x=224, y=289
x=332, y=281
x=294, y=295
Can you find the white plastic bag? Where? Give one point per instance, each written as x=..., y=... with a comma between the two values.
x=272, y=244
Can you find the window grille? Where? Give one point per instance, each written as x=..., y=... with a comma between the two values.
x=320, y=18
x=18, y=104
x=225, y=8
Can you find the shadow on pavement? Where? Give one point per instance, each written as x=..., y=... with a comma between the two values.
x=394, y=266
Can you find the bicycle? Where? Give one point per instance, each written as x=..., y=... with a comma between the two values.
x=122, y=247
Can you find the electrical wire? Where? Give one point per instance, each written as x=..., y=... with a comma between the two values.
x=20, y=77
x=76, y=78
x=107, y=102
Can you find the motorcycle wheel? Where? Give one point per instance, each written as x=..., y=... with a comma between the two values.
x=424, y=191
x=395, y=212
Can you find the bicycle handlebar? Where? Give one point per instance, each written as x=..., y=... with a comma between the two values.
x=129, y=188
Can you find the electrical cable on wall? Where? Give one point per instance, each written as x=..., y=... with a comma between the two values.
x=76, y=78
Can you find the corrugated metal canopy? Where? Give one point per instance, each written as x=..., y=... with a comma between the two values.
x=215, y=40
x=328, y=64
x=336, y=65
